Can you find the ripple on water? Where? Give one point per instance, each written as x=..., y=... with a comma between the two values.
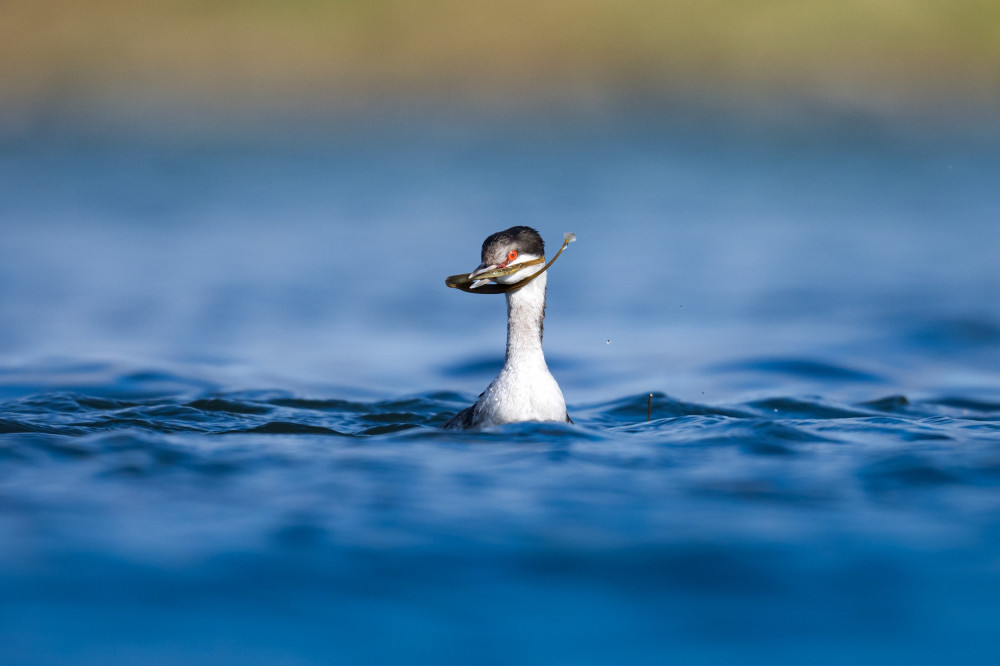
x=907, y=471
x=656, y=406
x=969, y=408
x=302, y=493
x=799, y=369
x=956, y=334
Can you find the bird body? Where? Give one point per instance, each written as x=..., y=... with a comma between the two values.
x=524, y=390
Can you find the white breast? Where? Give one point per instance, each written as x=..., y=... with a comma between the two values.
x=521, y=392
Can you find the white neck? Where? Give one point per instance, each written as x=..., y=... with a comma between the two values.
x=525, y=316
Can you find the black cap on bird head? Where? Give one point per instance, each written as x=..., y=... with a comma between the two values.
x=523, y=239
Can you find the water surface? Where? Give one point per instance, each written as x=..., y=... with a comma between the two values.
x=225, y=360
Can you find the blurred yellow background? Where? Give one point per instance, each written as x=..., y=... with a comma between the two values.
x=884, y=56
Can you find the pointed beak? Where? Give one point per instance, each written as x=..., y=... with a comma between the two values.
x=484, y=273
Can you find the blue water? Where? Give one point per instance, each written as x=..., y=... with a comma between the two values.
x=225, y=357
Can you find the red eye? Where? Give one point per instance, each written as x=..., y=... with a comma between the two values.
x=512, y=255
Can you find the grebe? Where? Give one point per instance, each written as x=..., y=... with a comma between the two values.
x=524, y=390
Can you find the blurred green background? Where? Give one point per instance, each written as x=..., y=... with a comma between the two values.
x=225, y=60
